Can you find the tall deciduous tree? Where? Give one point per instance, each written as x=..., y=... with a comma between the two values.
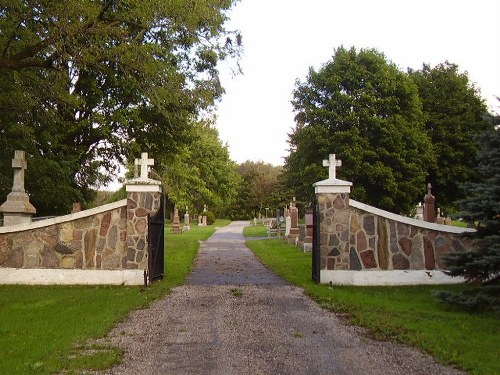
x=363, y=108
x=86, y=84
x=454, y=114
x=201, y=172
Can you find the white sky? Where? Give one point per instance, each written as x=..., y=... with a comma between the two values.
x=283, y=38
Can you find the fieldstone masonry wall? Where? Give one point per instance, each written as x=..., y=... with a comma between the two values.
x=91, y=242
x=355, y=239
x=114, y=239
x=139, y=205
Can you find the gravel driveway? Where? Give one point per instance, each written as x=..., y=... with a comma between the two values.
x=234, y=316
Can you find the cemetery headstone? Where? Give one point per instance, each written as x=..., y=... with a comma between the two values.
x=429, y=205
x=308, y=239
x=187, y=225
x=77, y=207
x=17, y=209
x=176, y=228
x=294, y=225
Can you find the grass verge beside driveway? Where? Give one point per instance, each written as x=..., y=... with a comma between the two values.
x=44, y=329
x=408, y=314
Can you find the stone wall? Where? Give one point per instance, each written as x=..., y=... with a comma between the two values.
x=358, y=237
x=110, y=237
x=93, y=239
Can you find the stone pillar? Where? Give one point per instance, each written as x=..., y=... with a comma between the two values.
x=429, y=206
x=17, y=209
x=294, y=223
x=332, y=196
x=143, y=198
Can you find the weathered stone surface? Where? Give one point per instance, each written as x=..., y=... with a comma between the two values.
x=382, y=245
x=63, y=248
x=130, y=254
x=416, y=256
x=48, y=258
x=49, y=239
x=344, y=236
x=400, y=262
x=111, y=262
x=393, y=238
x=413, y=231
x=113, y=236
x=361, y=241
x=77, y=235
x=105, y=223
x=79, y=259
x=338, y=202
x=440, y=253
x=355, y=226
x=354, y=262
x=405, y=245
x=85, y=223
x=141, y=244
x=68, y=262
x=334, y=240
x=369, y=224
x=31, y=254
x=15, y=259
x=330, y=264
x=90, y=248
x=334, y=252
x=368, y=259
x=132, y=265
x=440, y=241
x=403, y=230
x=66, y=233
x=141, y=212
x=141, y=226
x=430, y=262
x=139, y=256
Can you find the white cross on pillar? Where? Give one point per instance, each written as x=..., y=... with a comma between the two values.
x=332, y=164
x=144, y=163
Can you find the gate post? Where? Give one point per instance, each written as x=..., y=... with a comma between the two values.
x=144, y=197
x=332, y=200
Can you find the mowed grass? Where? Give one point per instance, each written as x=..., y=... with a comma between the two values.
x=45, y=329
x=258, y=230
x=407, y=314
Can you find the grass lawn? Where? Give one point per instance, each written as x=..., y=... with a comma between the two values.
x=44, y=329
x=407, y=314
x=258, y=230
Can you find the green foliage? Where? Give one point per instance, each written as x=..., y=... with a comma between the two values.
x=210, y=217
x=364, y=109
x=454, y=114
x=86, y=85
x=258, y=188
x=406, y=314
x=481, y=206
x=201, y=172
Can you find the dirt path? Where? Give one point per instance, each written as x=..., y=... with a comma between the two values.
x=235, y=317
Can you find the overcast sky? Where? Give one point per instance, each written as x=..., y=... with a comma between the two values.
x=283, y=38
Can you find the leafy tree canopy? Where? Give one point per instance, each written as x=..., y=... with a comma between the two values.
x=454, y=114
x=201, y=172
x=363, y=108
x=258, y=189
x=86, y=84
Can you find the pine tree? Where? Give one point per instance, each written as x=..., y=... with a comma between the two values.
x=481, y=207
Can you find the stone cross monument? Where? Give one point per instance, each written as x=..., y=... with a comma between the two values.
x=332, y=164
x=144, y=163
x=17, y=209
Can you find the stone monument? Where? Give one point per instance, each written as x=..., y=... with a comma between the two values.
x=429, y=205
x=294, y=223
x=176, y=227
x=187, y=225
x=17, y=209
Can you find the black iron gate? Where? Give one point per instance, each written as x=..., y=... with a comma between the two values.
x=316, y=254
x=156, y=243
